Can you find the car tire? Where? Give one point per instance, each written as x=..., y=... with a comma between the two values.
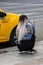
x=13, y=37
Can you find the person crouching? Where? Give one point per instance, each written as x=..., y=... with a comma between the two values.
x=24, y=34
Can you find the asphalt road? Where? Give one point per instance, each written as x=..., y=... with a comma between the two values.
x=24, y=1
x=32, y=8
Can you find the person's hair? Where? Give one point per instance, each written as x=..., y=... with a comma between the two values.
x=22, y=18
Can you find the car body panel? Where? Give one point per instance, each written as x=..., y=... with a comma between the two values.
x=7, y=24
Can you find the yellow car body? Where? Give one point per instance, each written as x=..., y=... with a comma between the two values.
x=7, y=24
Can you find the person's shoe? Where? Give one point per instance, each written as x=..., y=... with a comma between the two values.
x=20, y=52
x=32, y=51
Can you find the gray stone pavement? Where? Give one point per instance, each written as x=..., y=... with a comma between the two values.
x=33, y=62
x=13, y=58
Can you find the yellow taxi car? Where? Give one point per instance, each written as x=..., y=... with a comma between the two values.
x=8, y=24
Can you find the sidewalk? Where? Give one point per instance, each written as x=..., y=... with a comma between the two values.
x=13, y=58
x=39, y=60
x=33, y=62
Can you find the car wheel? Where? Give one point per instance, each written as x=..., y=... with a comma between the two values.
x=13, y=37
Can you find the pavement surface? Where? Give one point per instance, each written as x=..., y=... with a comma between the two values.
x=10, y=56
x=32, y=8
x=33, y=62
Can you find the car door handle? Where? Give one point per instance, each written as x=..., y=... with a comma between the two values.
x=4, y=22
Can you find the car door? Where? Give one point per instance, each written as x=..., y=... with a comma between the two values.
x=3, y=29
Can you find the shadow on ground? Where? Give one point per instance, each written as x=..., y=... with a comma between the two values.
x=5, y=45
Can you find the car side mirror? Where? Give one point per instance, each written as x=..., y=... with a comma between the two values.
x=2, y=14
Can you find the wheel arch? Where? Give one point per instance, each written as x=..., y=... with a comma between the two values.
x=14, y=29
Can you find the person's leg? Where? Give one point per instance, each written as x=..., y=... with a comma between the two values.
x=23, y=45
x=26, y=45
x=32, y=44
x=19, y=46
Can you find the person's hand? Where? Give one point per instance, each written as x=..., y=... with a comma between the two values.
x=32, y=22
